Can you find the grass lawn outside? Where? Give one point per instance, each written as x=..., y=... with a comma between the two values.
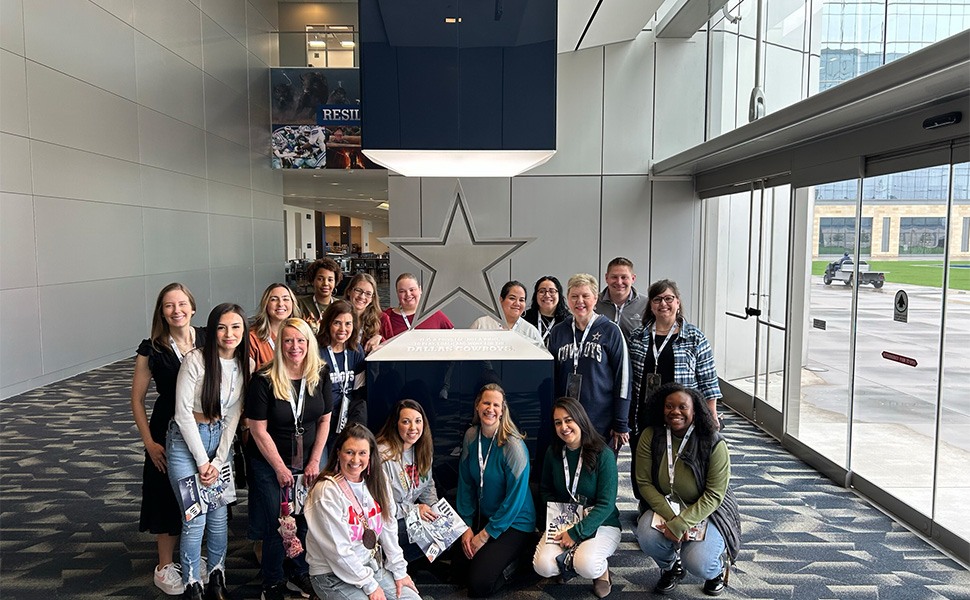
x=914, y=272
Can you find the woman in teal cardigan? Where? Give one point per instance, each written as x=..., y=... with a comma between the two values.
x=576, y=469
x=493, y=494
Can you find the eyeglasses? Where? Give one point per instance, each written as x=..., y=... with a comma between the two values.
x=547, y=292
x=363, y=293
x=663, y=299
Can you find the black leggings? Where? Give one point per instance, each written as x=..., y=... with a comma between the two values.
x=489, y=570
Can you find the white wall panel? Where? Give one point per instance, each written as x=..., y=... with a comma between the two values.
x=563, y=214
x=267, y=241
x=13, y=93
x=226, y=162
x=79, y=38
x=20, y=357
x=579, y=120
x=229, y=14
x=234, y=284
x=265, y=177
x=626, y=225
x=12, y=26
x=18, y=260
x=99, y=121
x=170, y=144
x=675, y=241
x=230, y=241
x=680, y=101
x=175, y=24
x=269, y=10
x=627, y=106
x=229, y=199
x=259, y=92
x=175, y=241
x=69, y=173
x=167, y=82
x=224, y=57
x=15, y=166
x=162, y=188
x=259, y=134
x=259, y=35
x=102, y=318
x=268, y=206
x=266, y=274
x=226, y=112
x=102, y=241
x=122, y=9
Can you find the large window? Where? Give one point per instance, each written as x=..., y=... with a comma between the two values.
x=837, y=235
x=922, y=235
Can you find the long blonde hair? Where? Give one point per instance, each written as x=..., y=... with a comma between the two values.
x=261, y=323
x=275, y=370
x=506, y=428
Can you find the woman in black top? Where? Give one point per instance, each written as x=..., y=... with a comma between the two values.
x=288, y=405
x=548, y=306
x=159, y=357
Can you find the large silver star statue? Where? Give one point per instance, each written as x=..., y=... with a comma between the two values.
x=459, y=261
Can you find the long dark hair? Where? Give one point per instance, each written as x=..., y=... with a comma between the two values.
x=561, y=310
x=373, y=475
x=591, y=443
x=337, y=308
x=705, y=425
x=390, y=436
x=212, y=378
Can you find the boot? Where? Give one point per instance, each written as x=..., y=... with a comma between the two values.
x=193, y=591
x=216, y=589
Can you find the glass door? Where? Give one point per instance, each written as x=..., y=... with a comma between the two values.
x=753, y=268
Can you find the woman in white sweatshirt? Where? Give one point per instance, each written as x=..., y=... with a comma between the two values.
x=352, y=544
x=208, y=393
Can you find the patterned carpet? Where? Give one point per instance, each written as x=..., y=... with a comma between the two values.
x=70, y=466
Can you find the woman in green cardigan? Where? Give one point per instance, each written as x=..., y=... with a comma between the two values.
x=577, y=470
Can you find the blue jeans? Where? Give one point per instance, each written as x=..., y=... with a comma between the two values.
x=331, y=587
x=703, y=558
x=181, y=464
x=264, y=504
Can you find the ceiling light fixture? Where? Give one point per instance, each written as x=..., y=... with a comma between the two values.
x=459, y=163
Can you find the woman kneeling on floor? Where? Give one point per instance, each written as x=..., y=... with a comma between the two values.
x=352, y=544
x=577, y=470
x=683, y=470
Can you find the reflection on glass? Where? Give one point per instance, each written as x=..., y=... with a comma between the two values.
x=823, y=401
x=954, y=444
x=895, y=404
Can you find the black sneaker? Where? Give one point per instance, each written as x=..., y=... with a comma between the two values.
x=714, y=587
x=301, y=584
x=670, y=578
x=274, y=592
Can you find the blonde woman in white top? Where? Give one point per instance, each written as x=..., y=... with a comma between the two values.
x=208, y=404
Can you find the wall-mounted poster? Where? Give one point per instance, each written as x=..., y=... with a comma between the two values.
x=316, y=119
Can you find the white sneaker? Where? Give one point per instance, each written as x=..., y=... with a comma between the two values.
x=169, y=579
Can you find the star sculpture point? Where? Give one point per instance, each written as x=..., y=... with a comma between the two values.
x=459, y=261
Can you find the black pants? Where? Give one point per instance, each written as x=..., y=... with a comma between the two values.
x=491, y=567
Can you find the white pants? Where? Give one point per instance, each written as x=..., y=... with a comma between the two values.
x=590, y=560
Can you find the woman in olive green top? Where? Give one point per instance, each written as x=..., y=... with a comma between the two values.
x=682, y=470
x=577, y=469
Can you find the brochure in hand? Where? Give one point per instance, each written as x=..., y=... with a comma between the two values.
x=434, y=537
x=694, y=534
x=197, y=499
x=561, y=516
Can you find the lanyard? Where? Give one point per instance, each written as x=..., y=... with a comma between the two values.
x=272, y=344
x=355, y=502
x=582, y=342
x=565, y=469
x=175, y=348
x=405, y=317
x=232, y=385
x=481, y=462
x=653, y=343
x=298, y=408
x=544, y=328
x=344, y=375
x=619, y=312
x=406, y=477
x=670, y=452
